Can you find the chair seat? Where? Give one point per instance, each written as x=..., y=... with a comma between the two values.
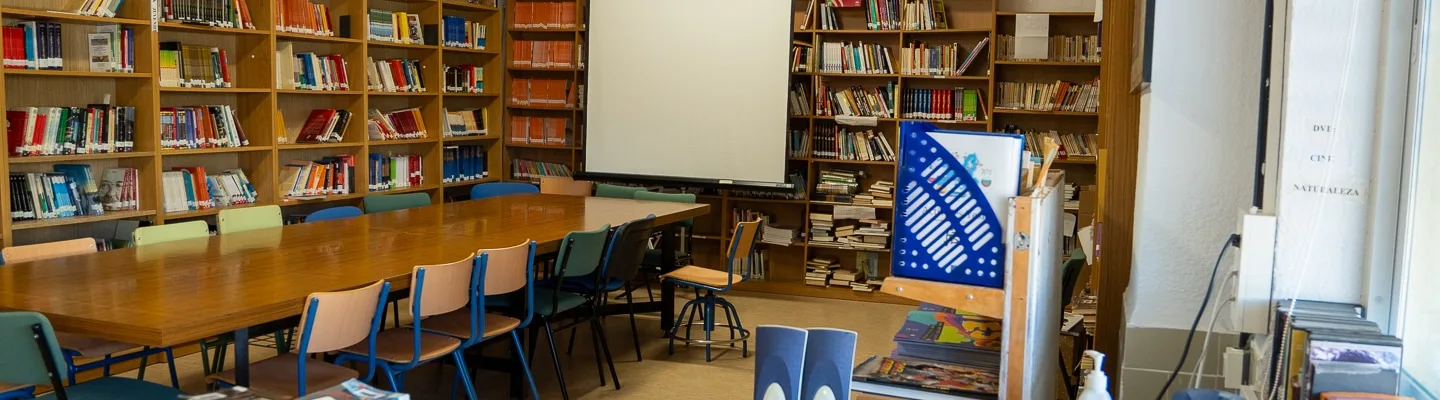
x=398, y=345
x=276, y=376
x=653, y=258
x=87, y=346
x=457, y=324
x=702, y=276
x=115, y=388
x=544, y=297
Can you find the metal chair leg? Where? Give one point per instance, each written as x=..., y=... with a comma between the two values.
x=599, y=328
x=595, y=342
x=634, y=332
x=170, y=359
x=519, y=352
x=555, y=356
x=709, y=320
x=144, y=362
x=463, y=376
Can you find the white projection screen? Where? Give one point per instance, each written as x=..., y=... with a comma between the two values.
x=688, y=89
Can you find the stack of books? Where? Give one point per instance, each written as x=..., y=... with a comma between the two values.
x=464, y=163
x=776, y=235
x=819, y=269
x=958, y=104
x=221, y=13
x=320, y=178
x=395, y=27
x=855, y=58
x=822, y=229
x=835, y=143
x=201, y=127
x=1330, y=347
x=543, y=53
x=302, y=16
x=467, y=122
x=940, y=353
x=394, y=75
x=542, y=131
x=544, y=92
x=874, y=234
x=195, y=66
x=544, y=15
x=1058, y=96
x=838, y=185
x=464, y=79
x=189, y=188
x=879, y=194
x=325, y=125
x=857, y=101
x=395, y=171
x=844, y=277
x=868, y=264
x=462, y=33
x=396, y=125
x=51, y=131
x=531, y=169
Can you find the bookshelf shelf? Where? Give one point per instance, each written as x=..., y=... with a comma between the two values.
x=305, y=146
x=319, y=92
x=481, y=94
x=470, y=51
x=854, y=75
x=167, y=26
x=550, y=69
x=314, y=38
x=1076, y=160
x=762, y=200
x=212, y=90
x=401, y=45
x=836, y=203
x=1053, y=14
x=861, y=162
x=979, y=122
x=831, y=117
x=541, y=146
x=947, y=77
x=1050, y=63
x=286, y=201
x=944, y=31
x=470, y=138
x=525, y=107
x=69, y=17
x=985, y=301
x=374, y=93
x=214, y=150
x=108, y=216
x=398, y=142
x=78, y=157
x=466, y=5
x=77, y=74
x=208, y=211
x=472, y=182
x=553, y=30
x=854, y=31
x=821, y=246
x=412, y=189
x=1032, y=112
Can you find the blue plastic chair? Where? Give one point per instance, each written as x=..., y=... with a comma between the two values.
x=494, y=189
x=829, y=355
x=32, y=357
x=334, y=213
x=779, y=359
x=378, y=203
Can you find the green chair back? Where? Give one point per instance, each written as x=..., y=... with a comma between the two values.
x=616, y=191
x=581, y=251
x=24, y=364
x=377, y=203
x=670, y=197
x=249, y=219
x=171, y=232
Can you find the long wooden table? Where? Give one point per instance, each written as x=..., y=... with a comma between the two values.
x=178, y=292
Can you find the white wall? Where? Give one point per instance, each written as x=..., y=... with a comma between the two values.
x=1197, y=149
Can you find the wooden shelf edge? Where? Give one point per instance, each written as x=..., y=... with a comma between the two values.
x=109, y=215
x=78, y=157
x=985, y=301
x=208, y=211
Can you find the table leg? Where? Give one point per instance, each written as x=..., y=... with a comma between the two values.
x=242, y=357
x=667, y=263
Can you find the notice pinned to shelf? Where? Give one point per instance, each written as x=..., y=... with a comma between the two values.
x=1068, y=228
x=1032, y=36
x=856, y=121
x=854, y=212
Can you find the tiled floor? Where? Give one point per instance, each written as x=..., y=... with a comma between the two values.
x=660, y=375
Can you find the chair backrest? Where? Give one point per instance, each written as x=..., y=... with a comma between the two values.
x=742, y=243
x=565, y=186
x=1069, y=276
x=24, y=362
x=170, y=232
x=507, y=270
x=334, y=213
x=616, y=191
x=670, y=197
x=493, y=189
x=581, y=251
x=829, y=358
x=441, y=288
x=627, y=248
x=377, y=203
x=337, y=320
x=42, y=251
x=249, y=219
x=779, y=358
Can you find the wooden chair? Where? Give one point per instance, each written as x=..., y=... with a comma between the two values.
x=616, y=191
x=711, y=282
x=497, y=272
x=493, y=189
x=250, y=218
x=376, y=203
x=334, y=213
x=72, y=345
x=330, y=321
x=434, y=290
x=32, y=357
x=170, y=232
x=565, y=186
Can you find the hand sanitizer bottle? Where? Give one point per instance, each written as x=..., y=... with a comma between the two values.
x=1096, y=383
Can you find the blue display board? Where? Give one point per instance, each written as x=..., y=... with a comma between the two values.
x=946, y=229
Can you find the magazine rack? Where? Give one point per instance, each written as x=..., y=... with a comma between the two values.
x=1029, y=304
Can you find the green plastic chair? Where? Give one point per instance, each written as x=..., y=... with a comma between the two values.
x=578, y=259
x=616, y=191
x=249, y=219
x=32, y=357
x=378, y=203
x=171, y=232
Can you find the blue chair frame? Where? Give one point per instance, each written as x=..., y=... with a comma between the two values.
x=704, y=304
x=477, y=314
x=370, y=340
x=24, y=393
x=494, y=189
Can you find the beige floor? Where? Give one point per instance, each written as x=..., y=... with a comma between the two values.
x=659, y=376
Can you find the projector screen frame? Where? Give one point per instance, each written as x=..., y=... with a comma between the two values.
x=707, y=183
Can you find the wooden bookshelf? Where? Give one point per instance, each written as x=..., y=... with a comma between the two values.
x=259, y=105
x=571, y=153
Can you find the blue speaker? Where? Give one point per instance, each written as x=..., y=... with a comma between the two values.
x=829, y=357
x=779, y=356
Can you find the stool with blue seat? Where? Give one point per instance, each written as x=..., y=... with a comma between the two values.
x=712, y=282
x=33, y=357
x=493, y=189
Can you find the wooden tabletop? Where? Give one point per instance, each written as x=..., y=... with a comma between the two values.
x=173, y=293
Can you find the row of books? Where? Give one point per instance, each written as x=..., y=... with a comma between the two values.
x=870, y=234
x=545, y=131
x=826, y=271
x=1071, y=144
x=184, y=65
x=1058, y=96
x=324, y=125
x=855, y=58
x=467, y=122
x=310, y=71
x=799, y=100
x=403, y=124
x=544, y=92
x=49, y=131
x=189, y=188
x=396, y=27
x=464, y=163
x=102, y=8
x=844, y=185
x=1323, y=347
x=200, y=127
x=388, y=172
x=753, y=265
x=1073, y=48
x=880, y=193
x=833, y=142
x=920, y=58
x=331, y=175
x=531, y=169
x=958, y=104
x=72, y=190
x=839, y=181
x=303, y=16
x=920, y=15
x=857, y=101
x=544, y=15
x=543, y=53
x=34, y=45
x=798, y=145
x=394, y=75
x=802, y=57
x=464, y=78
x=221, y=13
x=462, y=33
